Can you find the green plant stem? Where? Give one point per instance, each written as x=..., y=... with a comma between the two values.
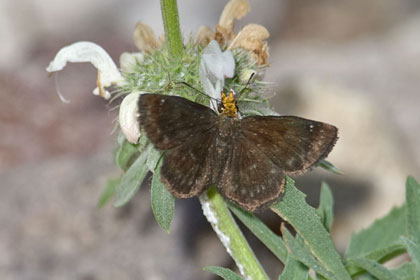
x=214, y=207
x=172, y=30
x=217, y=213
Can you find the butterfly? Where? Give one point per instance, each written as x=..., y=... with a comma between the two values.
x=247, y=159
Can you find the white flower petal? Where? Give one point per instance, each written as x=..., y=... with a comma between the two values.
x=215, y=65
x=128, y=117
x=108, y=73
x=129, y=60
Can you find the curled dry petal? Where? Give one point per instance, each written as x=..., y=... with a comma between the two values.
x=128, y=117
x=222, y=35
x=251, y=38
x=144, y=38
x=108, y=73
x=234, y=9
x=204, y=36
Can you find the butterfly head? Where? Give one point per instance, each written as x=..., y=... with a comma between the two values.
x=228, y=106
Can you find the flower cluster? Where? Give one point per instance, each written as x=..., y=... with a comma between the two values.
x=149, y=70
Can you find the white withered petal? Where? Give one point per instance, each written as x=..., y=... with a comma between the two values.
x=215, y=66
x=108, y=73
x=128, y=117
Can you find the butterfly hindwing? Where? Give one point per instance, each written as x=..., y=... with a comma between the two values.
x=186, y=169
x=250, y=179
x=170, y=121
x=294, y=144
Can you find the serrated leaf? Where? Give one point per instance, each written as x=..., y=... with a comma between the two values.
x=163, y=203
x=271, y=240
x=326, y=206
x=153, y=158
x=381, y=238
x=294, y=270
x=301, y=253
x=132, y=179
x=374, y=268
x=413, y=208
x=413, y=250
x=304, y=219
x=405, y=272
x=108, y=192
x=367, y=276
x=224, y=273
x=329, y=166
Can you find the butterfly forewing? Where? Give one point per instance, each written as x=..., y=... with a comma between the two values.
x=170, y=121
x=294, y=144
x=247, y=159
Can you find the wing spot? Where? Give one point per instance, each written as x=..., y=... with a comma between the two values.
x=311, y=127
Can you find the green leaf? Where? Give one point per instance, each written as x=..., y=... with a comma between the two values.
x=405, y=272
x=153, y=158
x=330, y=167
x=224, y=273
x=294, y=270
x=108, y=192
x=132, y=179
x=413, y=208
x=294, y=209
x=163, y=203
x=273, y=242
x=126, y=154
x=380, y=242
x=389, y=228
x=326, y=205
x=302, y=253
x=367, y=276
x=374, y=268
x=413, y=250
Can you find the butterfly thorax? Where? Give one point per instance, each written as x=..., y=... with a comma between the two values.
x=228, y=106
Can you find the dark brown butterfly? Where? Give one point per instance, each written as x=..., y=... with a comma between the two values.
x=246, y=159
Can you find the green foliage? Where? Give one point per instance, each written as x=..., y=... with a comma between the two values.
x=374, y=268
x=405, y=271
x=132, y=179
x=108, y=192
x=224, y=273
x=312, y=248
x=299, y=251
x=163, y=203
x=304, y=219
x=329, y=166
x=413, y=209
x=366, y=243
x=326, y=206
x=294, y=270
x=273, y=242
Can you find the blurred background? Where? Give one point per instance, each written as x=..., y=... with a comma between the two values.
x=354, y=64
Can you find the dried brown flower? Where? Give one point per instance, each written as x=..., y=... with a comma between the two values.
x=144, y=38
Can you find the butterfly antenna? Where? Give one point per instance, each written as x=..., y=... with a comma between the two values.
x=245, y=87
x=199, y=91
